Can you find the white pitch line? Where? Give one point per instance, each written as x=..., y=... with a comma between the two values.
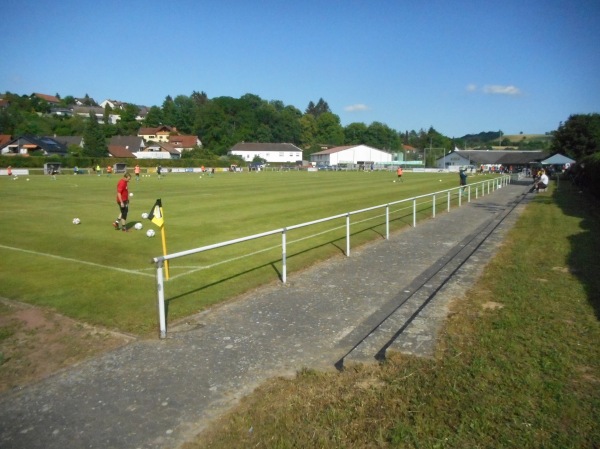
x=67, y=259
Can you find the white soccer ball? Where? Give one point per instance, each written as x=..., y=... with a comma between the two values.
x=130, y=193
x=76, y=221
x=145, y=215
x=138, y=226
x=150, y=232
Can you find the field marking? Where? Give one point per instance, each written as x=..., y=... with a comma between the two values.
x=68, y=259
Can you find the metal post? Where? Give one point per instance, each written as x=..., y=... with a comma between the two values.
x=283, y=256
x=448, y=200
x=348, y=235
x=387, y=222
x=160, y=289
x=414, y=213
x=433, y=206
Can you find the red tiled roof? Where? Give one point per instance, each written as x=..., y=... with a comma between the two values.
x=48, y=98
x=183, y=141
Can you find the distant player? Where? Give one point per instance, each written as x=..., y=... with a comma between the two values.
x=123, y=202
x=137, y=172
x=399, y=173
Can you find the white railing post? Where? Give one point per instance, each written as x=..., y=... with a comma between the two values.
x=283, y=257
x=348, y=234
x=433, y=210
x=387, y=221
x=448, y=200
x=414, y=213
x=160, y=289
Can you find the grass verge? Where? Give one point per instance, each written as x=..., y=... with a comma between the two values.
x=517, y=365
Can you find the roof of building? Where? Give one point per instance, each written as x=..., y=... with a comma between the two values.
x=47, y=144
x=257, y=146
x=500, y=157
x=48, y=98
x=119, y=151
x=132, y=143
x=183, y=141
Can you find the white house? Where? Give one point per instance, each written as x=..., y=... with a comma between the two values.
x=355, y=154
x=286, y=153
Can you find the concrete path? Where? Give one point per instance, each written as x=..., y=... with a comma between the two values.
x=390, y=295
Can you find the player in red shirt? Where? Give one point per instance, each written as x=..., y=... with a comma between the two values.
x=123, y=202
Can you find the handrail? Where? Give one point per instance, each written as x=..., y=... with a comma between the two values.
x=159, y=261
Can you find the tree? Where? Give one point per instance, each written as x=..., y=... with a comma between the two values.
x=579, y=136
x=94, y=143
x=329, y=129
x=354, y=134
x=316, y=110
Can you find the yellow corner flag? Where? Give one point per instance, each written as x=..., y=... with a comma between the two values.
x=157, y=217
x=156, y=214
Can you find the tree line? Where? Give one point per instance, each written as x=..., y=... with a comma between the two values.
x=222, y=122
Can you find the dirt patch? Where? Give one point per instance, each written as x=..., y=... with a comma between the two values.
x=36, y=342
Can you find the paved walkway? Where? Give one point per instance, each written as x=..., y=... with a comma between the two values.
x=392, y=294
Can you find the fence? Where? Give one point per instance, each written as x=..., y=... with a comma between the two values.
x=480, y=188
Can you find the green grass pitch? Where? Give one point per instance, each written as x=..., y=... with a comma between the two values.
x=93, y=273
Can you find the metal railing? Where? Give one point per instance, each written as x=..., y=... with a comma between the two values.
x=476, y=189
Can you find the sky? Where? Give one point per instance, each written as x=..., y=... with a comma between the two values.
x=459, y=66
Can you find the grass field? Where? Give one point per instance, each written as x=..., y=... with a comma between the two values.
x=92, y=273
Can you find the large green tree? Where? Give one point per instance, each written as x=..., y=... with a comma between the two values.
x=579, y=136
x=94, y=142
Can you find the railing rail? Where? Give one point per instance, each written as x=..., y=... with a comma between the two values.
x=489, y=184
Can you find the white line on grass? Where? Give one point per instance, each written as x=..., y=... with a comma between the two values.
x=53, y=256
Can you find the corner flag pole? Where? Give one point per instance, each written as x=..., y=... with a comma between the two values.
x=158, y=218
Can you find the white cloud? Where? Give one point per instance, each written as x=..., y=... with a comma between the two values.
x=496, y=89
x=471, y=87
x=356, y=107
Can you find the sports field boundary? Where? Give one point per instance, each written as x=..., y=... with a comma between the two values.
x=489, y=185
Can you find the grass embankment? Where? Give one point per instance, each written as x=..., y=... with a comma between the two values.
x=518, y=365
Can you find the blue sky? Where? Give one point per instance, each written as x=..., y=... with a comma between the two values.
x=460, y=66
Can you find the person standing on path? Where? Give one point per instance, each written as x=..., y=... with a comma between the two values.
x=123, y=202
x=463, y=179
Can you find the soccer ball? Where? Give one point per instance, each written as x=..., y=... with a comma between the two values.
x=150, y=233
x=138, y=226
x=76, y=221
x=145, y=215
x=131, y=194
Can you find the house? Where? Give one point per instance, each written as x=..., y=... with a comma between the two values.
x=185, y=143
x=158, y=134
x=120, y=152
x=354, y=154
x=69, y=140
x=4, y=139
x=133, y=144
x=29, y=145
x=511, y=158
x=49, y=98
x=270, y=152
x=159, y=150
x=114, y=104
x=84, y=111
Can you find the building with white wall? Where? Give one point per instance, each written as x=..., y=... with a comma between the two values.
x=286, y=153
x=354, y=154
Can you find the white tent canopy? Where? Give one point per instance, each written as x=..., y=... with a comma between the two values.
x=558, y=159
